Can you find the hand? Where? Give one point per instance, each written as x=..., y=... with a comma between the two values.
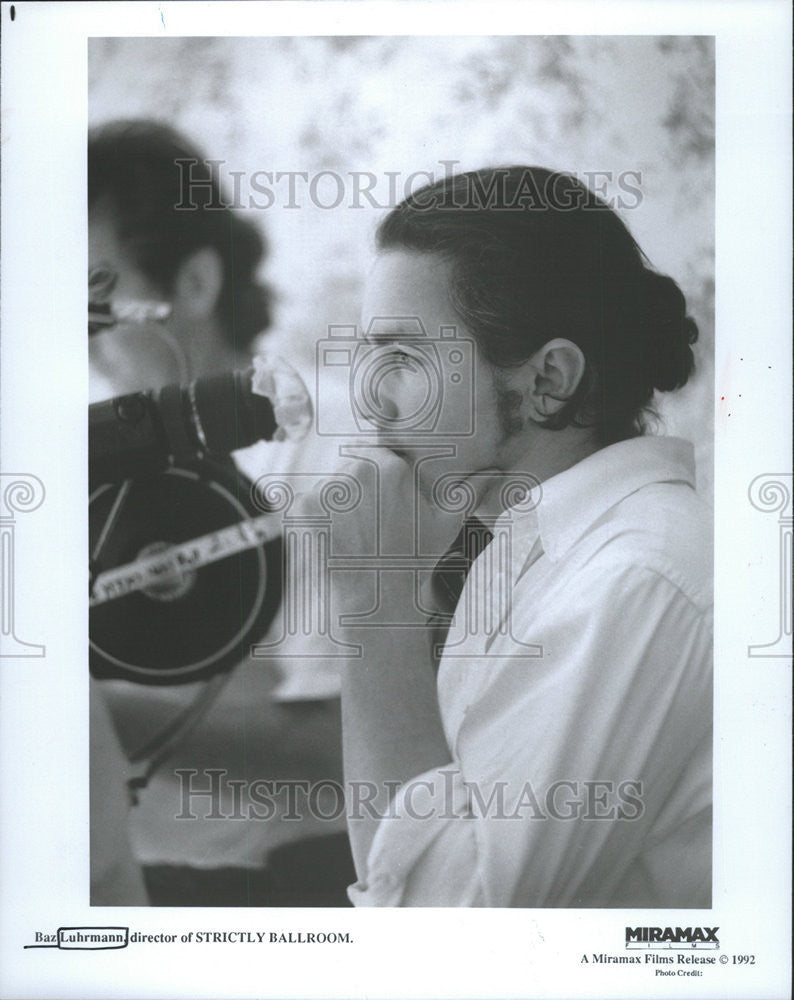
x=379, y=523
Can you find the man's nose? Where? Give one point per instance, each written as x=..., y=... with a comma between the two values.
x=387, y=411
x=380, y=397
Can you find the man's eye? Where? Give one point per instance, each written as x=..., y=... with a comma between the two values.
x=398, y=353
x=403, y=353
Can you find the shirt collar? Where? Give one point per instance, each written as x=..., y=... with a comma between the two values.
x=567, y=505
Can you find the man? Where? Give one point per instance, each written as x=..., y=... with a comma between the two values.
x=202, y=263
x=268, y=719
x=559, y=754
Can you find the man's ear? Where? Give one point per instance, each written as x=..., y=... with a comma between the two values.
x=557, y=370
x=198, y=284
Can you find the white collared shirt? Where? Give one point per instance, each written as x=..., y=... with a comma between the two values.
x=575, y=694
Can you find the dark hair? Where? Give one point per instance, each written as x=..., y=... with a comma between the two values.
x=536, y=255
x=134, y=165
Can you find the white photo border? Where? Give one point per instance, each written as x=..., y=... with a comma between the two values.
x=43, y=739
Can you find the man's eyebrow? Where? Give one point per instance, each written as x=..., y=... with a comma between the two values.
x=397, y=331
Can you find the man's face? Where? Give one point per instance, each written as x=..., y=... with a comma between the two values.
x=401, y=285
x=106, y=251
x=127, y=357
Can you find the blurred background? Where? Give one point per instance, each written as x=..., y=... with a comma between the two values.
x=633, y=116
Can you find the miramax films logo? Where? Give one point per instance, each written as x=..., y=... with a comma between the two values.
x=672, y=937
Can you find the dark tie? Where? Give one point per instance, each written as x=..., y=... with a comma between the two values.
x=448, y=577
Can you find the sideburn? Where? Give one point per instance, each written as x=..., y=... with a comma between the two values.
x=509, y=404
